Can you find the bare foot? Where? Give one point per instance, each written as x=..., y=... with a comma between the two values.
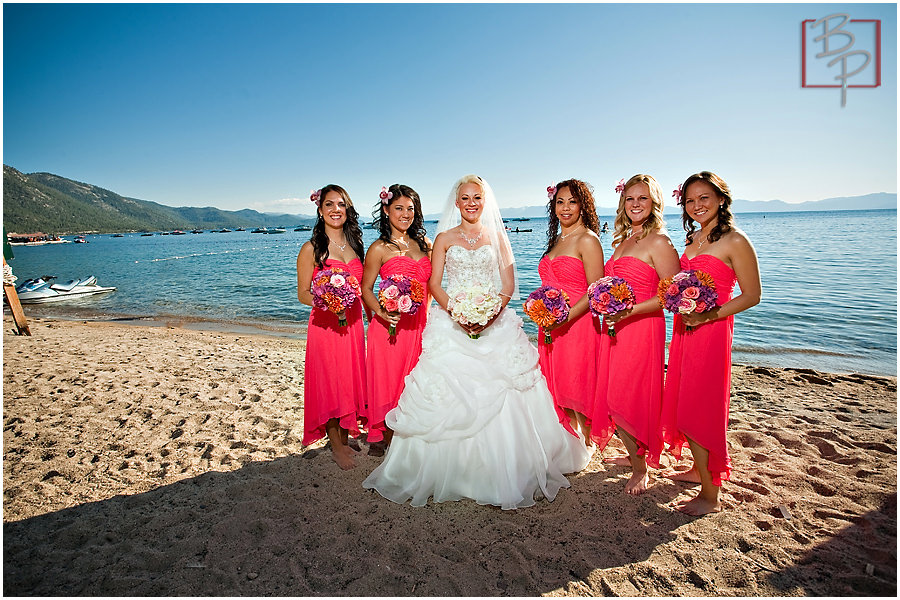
x=638, y=484
x=699, y=506
x=343, y=458
x=622, y=461
x=691, y=475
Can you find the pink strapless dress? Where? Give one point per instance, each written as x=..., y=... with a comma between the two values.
x=698, y=378
x=390, y=359
x=636, y=362
x=570, y=364
x=334, y=375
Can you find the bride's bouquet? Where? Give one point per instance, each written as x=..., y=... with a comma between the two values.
x=335, y=290
x=475, y=304
x=608, y=296
x=689, y=291
x=546, y=306
x=402, y=294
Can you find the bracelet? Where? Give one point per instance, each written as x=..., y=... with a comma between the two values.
x=502, y=294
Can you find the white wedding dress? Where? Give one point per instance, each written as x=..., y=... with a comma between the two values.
x=475, y=419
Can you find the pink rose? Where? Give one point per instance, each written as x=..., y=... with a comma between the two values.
x=686, y=305
x=701, y=306
x=478, y=300
x=679, y=276
x=390, y=305
x=391, y=292
x=337, y=280
x=551, y=294
x=673, y=290
x=460, y=296
x=404, y=303
x=529, y=304
x=691, y=292
x=604, y=298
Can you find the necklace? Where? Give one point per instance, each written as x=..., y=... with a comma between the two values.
x=632, y=232
x=341, y=248
x=563, y=236
x=472, y=241
x=700, y=244
x=400, y=240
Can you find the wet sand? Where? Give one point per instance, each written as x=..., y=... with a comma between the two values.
x=165, y=461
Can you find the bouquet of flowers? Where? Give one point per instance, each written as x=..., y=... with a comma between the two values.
x=402, y=294
x=336, y=290
x=608, y=296
x=689, y=291
x=547, y=305
x=475, y=304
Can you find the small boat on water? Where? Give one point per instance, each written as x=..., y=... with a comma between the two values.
x=260, y=230
x=79, y=239
x=240, y=229
x=276, y=230
x=40, y=290
x=196, y=231
x=303, y=228
x=178, y=232
x=118, y=235
x=146, y=235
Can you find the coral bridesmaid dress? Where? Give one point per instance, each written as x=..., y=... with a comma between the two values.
x=571, y=363
x=698, y=378
x=391, y=358
x=636, y=362
x=334, y=383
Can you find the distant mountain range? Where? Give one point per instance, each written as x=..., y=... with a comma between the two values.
x=52, y=204
x=880, y=200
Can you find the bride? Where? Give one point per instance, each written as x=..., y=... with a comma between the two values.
x=475, y=419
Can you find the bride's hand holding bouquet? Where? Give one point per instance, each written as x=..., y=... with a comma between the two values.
x=474, y=308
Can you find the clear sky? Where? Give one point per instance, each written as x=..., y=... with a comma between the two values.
x=251, y=106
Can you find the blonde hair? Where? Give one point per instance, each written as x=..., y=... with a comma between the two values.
x=652, y=223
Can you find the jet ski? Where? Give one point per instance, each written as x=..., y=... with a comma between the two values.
x=41, y=289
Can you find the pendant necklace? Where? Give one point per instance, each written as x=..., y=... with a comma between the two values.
x=400, y=240
x=472, y=241
x=341, y=248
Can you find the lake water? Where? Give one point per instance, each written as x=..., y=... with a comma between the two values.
x=829, y=283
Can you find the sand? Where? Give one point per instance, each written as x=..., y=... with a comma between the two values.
x=162, y=461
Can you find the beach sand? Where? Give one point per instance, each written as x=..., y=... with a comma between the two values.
x=162, y=461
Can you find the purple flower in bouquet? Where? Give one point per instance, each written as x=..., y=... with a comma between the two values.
x=335, y=290
x=402, y=294
x=546, y=306
x=608, y=296
x=690, y=291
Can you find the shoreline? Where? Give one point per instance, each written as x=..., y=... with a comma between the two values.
x=168, y=461
x=780, y=358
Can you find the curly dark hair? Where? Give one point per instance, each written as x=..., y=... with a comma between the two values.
x=352, y=231
x=724, y=218
x=584, y=194
x=383, y=224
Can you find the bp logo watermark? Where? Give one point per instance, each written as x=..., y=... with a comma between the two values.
x=840, y=52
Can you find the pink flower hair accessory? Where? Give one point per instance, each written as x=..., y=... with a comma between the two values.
x=316, y=196
x=620, y=186
x=677, y=194
x=385, y=195
x=551, y=191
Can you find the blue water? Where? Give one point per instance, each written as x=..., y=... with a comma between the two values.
x=829, y=283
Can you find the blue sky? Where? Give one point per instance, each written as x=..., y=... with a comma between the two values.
x=251, y=106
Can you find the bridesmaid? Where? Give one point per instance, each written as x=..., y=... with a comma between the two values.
x=401, y=249
x=334, y=386
x=698, y=380
x=642, y=255
x=573, y=259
